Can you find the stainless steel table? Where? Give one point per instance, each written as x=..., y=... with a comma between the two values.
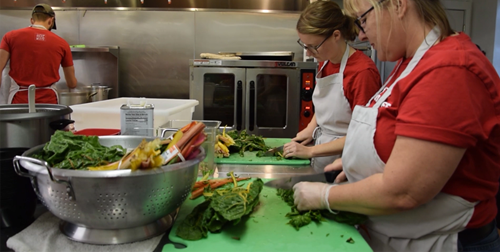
x=261, y=171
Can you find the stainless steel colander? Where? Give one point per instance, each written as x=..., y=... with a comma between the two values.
x=108, y=203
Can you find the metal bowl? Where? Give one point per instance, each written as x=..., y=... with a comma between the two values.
x=111, y=207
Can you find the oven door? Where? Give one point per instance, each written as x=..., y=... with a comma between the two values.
x=272, y=102
x=219, y=91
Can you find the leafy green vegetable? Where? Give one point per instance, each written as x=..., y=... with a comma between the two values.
x=224, y=206
x=245, y=142
x=68, y=151
x=192, y=228
x=349, y=218
x=301, y=218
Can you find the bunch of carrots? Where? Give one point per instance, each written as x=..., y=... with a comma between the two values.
x=199, y=186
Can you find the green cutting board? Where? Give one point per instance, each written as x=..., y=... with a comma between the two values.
x=250, y=157
x=266, y=230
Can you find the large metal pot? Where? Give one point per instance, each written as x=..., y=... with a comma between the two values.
x=111, y=207
x=21, y=129
x=101, y=92
x=76, y=96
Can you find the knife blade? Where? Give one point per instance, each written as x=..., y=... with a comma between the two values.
x=288, y=183
x=271, y=152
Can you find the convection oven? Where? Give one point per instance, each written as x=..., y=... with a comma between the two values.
x=268, y=98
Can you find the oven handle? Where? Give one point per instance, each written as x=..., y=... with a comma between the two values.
x=239, y=105
x=251, y=116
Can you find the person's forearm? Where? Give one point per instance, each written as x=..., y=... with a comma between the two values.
x=367, y=196
x=334, y=147
x=69, y=75
x=312, y=124
x=415, y=173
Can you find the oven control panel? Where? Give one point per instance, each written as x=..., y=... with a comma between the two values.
x=306, y=105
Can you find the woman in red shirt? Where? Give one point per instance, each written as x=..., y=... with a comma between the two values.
x=346, y=78
x=423, y=157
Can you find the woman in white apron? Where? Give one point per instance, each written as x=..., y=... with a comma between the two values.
x=426, y=178
x=324, y=25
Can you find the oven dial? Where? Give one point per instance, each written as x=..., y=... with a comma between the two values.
x=306, y=94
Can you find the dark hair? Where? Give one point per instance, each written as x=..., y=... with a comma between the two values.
x=478, y=47
x=323, y=17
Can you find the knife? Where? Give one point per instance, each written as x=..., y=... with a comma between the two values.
x=271, y=152
x=288, y=183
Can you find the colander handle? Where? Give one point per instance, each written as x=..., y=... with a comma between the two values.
x=34, y=183
x=17, y=168
x=164, y=132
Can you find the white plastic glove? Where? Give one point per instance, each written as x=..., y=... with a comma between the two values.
x=311, y=195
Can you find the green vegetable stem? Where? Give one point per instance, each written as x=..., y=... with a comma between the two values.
x=221, y=207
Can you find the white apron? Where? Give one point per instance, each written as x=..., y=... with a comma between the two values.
x=433, y=226
x=5, y=89
x=332, y=110
x=16, y=88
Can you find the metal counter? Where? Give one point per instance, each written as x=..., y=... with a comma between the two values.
x=262, y=171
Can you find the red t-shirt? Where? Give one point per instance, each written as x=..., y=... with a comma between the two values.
x=35, y=57
x=453, y=97
x=361, y=78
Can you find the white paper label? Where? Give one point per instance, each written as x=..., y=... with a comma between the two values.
x=172, y=152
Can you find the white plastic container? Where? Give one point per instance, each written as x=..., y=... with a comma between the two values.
x=106, y=114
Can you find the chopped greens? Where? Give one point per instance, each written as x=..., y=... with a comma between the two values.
x=299, y=219
x=245, y=142
x=68, y=151
x=221, y=206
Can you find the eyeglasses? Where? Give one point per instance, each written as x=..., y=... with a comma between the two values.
x=358, y=21
x=313, y=49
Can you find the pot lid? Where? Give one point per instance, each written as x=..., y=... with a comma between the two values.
x=10, y=112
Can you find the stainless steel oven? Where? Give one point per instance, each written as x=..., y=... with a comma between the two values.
x=268, y=98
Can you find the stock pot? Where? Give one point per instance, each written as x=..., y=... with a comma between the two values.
x=101, y=92
x=75, y=96
x=21, y=129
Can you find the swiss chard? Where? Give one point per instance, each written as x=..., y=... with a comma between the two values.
x=245, y=142
x=68, y=151
x=301, y=218
x=221, y=207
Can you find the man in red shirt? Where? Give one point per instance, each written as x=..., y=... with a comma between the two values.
x=35, y=56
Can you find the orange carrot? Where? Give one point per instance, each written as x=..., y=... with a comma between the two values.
x=218, y=183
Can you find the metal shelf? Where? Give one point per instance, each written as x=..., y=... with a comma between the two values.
x=111, y=49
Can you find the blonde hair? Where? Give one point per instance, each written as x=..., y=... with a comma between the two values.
x=431, y=12
x=323, y=18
